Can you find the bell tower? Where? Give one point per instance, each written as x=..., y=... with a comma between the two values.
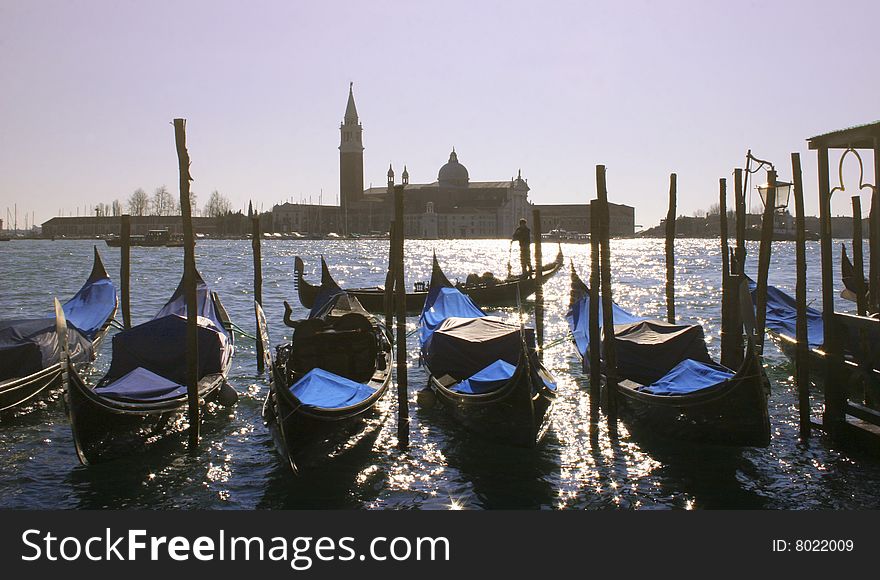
x=351, y=158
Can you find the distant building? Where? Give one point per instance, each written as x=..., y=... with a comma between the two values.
x=101, y=227
x=453, y=206
x=575, y=217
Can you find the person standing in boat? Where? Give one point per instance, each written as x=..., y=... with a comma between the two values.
x=523, y=235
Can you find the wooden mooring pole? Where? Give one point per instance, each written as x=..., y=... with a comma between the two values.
x=728, y=338
x=400, y=307
x=740, y=206
x=802, y=354
x=189, y=285
x=767, y=227
x=125, y=267
x=539, y=283
x=388, y=302
x=595, y=352
x=858, y=257
x=607, y=304
x=670, y=250
x=256, y=234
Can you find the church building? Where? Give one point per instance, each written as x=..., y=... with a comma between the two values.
x=452, y=206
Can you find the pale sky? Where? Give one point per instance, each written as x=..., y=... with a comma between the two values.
x=88, y=90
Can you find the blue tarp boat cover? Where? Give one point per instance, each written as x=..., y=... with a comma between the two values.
x=160, y=347
x=460, y=347
x=689, y=376
x=142, y=385
x=579, y=321
x=28, y=346
x=782, y=315
x=646, y=349
x=441, y=303
x=90, y=308
x=323, y=389
x=487, y=380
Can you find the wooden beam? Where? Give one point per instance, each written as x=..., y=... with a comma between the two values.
x=189, y=285
x=539, y=283
x=802, y=354
x=767, y=228
x=595, y=356
x=258, y=288
x=607, y=301
x=125, y=268
x=670, y=250
x=400, y=306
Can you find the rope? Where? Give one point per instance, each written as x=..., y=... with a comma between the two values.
x=116, y=324
x=241, y=331
x=558, y=341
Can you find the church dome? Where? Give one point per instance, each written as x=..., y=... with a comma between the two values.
x=453, y=173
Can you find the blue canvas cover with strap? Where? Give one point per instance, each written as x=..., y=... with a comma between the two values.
x=31, y=344
x=646, y=349
x=159, y=346
x=689, y=376
x=323, y=389
x=487, y=380
x=782, y=315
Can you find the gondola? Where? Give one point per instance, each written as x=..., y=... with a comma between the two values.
x=483, y=370
x=29, y=352
x=668, y=385
x=142, y=399
x=484, y=293
x=327, y=384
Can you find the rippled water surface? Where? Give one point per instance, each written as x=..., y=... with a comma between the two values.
x=444, y=468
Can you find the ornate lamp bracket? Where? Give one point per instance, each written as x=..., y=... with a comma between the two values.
x=862, y=184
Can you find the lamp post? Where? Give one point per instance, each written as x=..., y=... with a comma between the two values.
x=781, y=194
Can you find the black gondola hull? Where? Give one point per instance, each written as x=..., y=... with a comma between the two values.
x=505, y=293
x=517, y=414
x=105, y=429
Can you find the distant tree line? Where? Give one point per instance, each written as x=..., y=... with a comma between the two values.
x=162, y=203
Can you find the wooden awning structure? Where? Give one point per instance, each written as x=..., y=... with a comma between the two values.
x=858, y=137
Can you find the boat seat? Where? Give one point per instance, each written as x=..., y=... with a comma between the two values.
x=632, y=385
x=345, y=347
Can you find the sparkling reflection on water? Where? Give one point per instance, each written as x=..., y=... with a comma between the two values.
x=444, y=468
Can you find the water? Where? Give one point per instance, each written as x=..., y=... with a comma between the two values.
x=444, y=468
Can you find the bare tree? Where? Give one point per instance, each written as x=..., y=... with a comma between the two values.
x=117, y=208
x=217, y=205
x=162, y=202
x=138, y=202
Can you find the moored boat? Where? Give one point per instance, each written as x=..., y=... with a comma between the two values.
x=669, y=386
x=30, y=362
x=484, y=370
x=142, y=399
x=483, y=291
x=326, y=386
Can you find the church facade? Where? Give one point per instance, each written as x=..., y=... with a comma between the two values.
x=452, y=206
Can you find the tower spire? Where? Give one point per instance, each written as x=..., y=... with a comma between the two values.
x=351, y=114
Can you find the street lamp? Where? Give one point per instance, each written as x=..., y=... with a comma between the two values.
x=781, y=197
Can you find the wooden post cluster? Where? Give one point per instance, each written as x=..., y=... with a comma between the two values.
x=189, y=284
x=400, y=307
x=595, y=344
x=256, y=234
x=539, y=283
x=767, y=227
x=125, y=267
x=874, y=235
x=670, y=250
x=802, y=355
